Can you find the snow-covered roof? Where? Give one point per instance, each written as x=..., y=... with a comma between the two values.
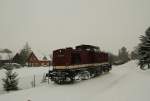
x=40, y=55
x=4, y=56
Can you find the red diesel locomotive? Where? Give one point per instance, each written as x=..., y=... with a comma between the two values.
x=81, y=63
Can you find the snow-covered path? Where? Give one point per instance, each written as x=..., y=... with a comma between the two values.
x=124, y=83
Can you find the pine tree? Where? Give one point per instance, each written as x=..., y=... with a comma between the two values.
x=17, y=58
x=25, y=52
x=123, y=54
x=144, y=50
x=134, y=55
x=10, y=81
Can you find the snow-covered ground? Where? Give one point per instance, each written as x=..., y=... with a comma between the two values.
x=26, y=76
x=124, y=83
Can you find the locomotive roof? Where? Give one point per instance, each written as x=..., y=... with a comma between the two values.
x=87, y=46
x=83, y=47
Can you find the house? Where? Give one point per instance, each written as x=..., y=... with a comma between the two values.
x=45, y=61
x=5, y=58
x=32, y=61
x=35, y=61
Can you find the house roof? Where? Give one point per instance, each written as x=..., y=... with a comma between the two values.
x=40, y=55
x=4, y=56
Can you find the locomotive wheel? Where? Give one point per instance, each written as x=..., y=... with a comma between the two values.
x=93, y=75
x=144, y=67
x=59, y=82
x=78, y=78
x=83, y=75
x=69, y=80
x=106, y=70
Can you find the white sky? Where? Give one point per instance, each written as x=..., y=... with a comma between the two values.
x=50, y=24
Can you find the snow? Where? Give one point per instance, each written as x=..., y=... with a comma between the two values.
x=4, y=56
x=124, y=83
x=26, y=76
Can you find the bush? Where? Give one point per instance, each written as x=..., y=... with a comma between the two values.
x=11, y=80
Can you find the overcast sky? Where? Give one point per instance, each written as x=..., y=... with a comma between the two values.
x=50, y=24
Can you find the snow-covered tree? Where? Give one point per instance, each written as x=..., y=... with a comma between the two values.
x=11, y=80
x=134, y=53
x=123, y=54
x=9, y=54
x=7, y=51
x=144, y=50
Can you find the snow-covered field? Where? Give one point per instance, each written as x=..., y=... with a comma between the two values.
x=124, y=83
x=26, y=76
